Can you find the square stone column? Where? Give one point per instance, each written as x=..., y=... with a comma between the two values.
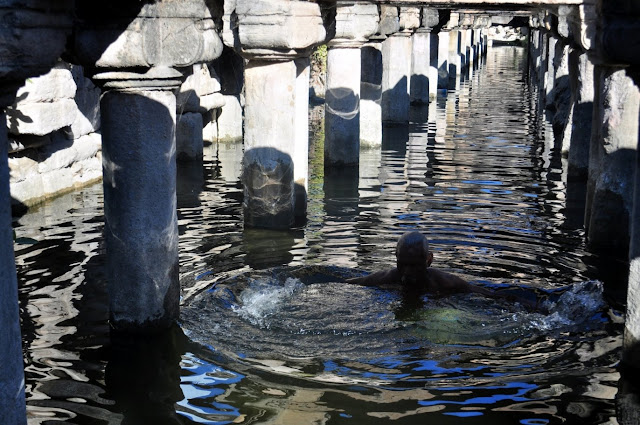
x=269, y=143
x=443, y=59
x=342, y=107
x=420, y=67
x=612, y=158
x=354, y=24
x=582, y=85
x=371, y=95
x=396, y=71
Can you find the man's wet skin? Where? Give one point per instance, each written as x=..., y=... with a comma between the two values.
x=414, y=275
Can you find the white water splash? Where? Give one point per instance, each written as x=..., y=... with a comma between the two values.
x=264, y=298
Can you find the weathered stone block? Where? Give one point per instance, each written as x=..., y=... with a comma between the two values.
x=54, y=85
x=389, y=20
x=41, y=118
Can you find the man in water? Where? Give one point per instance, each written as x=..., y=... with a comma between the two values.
x=415, y=276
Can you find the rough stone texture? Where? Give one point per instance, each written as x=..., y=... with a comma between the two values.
x=44, y=104
x=269, y=144
x=396, y=60
x=611, y=156
x=273, y=28
x=342, y=107
x=12, y=399
x=87, y=101
x=55, y=168
x=189, y=140
x=229, y=120
x=389, y=20
x=430, y=17
x=370, y=96
x=141, y=227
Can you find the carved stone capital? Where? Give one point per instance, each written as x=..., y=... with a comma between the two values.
x=170, y=33
x=273, y=29
x=409, y=18
x=430, y=17
x=354, y=24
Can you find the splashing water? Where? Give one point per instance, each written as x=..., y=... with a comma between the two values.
x=263, y=298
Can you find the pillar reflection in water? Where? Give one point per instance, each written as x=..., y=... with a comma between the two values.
x=143, y=376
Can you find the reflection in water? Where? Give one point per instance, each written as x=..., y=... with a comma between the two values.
x=476, y=171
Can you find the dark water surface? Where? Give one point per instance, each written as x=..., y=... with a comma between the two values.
x=271, y=334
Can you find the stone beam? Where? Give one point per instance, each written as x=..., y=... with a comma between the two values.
x=455, y=4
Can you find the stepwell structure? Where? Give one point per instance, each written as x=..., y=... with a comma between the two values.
x=382, y=56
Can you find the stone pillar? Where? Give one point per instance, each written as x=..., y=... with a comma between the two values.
x=582, y=84
x=443, y=59
x=342, y=106
x=396, y=57
x=420, y=63
x=138, y=122
x=276, y=37
x=141, y=226
x=370, y=95
x=355, y=23
x=12, y=404
x=614, y=140
x=269, y=143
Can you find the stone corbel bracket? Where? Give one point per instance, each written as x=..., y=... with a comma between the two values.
x=272, y=29
x=162, y=36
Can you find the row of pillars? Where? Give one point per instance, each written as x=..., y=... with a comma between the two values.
x=138, y=114
x=594, y=107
